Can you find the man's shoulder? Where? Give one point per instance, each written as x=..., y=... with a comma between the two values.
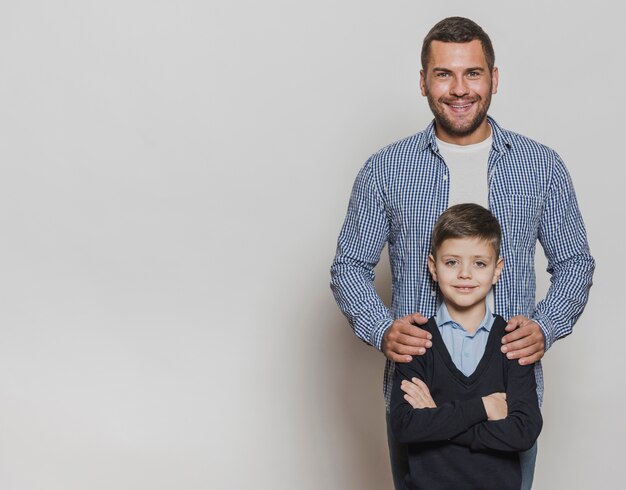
x=398, y=151
x=523, y=145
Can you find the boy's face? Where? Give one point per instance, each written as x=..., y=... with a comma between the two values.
x=465, y=269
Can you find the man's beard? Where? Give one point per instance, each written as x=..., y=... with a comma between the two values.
x=452, y=126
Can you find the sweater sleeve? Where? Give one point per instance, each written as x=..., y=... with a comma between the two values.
x=521, y=428
x=442, y=423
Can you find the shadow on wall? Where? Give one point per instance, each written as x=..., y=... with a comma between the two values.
x=358, y=407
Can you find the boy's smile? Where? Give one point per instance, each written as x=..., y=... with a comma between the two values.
x=465, y=269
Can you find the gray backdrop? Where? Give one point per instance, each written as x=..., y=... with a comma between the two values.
x=174, y=177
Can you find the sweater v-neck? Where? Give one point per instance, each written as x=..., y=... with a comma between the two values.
x=441, y=349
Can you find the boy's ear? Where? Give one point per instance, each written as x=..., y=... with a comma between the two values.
x=432, y=268
x=498, y=271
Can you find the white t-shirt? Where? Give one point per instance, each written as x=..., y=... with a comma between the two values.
x=467, y=166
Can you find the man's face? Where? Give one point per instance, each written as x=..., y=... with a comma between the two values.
x=458, y=85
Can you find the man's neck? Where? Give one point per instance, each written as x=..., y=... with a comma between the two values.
x=481, y=133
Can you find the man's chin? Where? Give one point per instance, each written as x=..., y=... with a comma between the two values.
x=459, y=129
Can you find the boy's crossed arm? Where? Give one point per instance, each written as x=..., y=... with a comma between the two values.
x=417, y=395
x=510, y=422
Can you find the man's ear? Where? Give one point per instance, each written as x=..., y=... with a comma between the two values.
x=423, y=82
x=498, y=271
x=494, y=80
x=432, y=268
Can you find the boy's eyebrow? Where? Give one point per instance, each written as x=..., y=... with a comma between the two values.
x=484, y=257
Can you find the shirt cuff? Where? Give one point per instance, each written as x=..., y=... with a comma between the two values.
x=546, y=327
x=377, y=333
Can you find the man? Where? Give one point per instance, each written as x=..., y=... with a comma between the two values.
x=462, y=156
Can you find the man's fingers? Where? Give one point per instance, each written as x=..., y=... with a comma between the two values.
x=399, y=357
x=524, y=361
x=417, y=319
x=409, y=347
x=526, y=352
x=524, y=346
x=516, y=334
x=411, y=341
x=515, y=322
x=406, y=328
x=521, y=343
x=518, y=323
x=403, y=339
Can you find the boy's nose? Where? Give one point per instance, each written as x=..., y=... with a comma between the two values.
x=465, y=273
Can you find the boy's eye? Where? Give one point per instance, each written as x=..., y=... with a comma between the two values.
x=451, y=263
x=480, y=264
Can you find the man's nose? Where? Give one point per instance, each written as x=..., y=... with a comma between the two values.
x=459, y=87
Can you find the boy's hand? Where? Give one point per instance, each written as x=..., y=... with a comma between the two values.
x=417, y=394
x=404, y=338
x=525, y=342
x=495, y=406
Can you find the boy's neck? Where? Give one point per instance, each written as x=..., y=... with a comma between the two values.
x=471, y=318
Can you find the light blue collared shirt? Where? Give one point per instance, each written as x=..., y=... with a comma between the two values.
x=465, y=349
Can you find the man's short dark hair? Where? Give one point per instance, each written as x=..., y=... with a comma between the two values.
x=466, y=221
x=458, y=30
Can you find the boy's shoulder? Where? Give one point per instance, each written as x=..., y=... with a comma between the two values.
x=499, y=325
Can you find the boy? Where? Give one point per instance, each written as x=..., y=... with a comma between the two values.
x=471, y=410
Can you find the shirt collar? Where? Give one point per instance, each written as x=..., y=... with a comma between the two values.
x=443, y=316
x=501, y=139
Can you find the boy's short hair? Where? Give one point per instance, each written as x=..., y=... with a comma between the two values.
x=458, y=30
x=467, y=220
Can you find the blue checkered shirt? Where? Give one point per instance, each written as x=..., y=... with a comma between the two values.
x=402, y=189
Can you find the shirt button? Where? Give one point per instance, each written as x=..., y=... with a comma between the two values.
x=445, y=177
x=466, y=354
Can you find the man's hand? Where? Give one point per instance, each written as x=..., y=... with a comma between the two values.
x=417, y=394
x=405, y=339
x=495, y=406
x=525, y=342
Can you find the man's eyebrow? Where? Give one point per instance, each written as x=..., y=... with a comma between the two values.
x=473, y=68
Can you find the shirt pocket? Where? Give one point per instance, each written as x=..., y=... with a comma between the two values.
x=524, y=215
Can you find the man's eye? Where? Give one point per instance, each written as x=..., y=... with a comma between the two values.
x=473, y=74
x=442, y=75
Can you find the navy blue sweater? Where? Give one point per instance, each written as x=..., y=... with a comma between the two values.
x=453, y=446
